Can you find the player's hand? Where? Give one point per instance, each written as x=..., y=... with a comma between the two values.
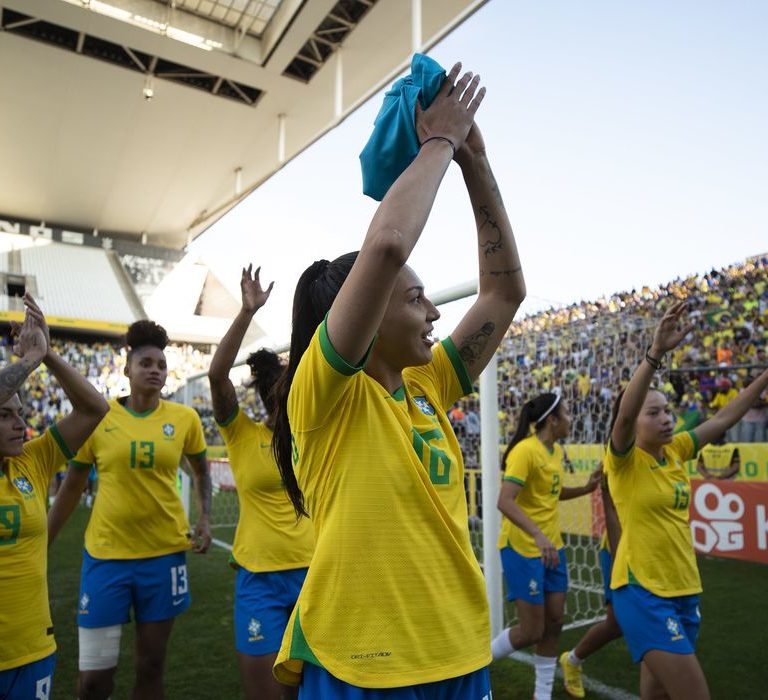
x=452, y=112
x=671, y=330
x=253, y=295
x=38, y=316
x=595, y=478
x=201, y=539
x=29, y=340
x=549, y=555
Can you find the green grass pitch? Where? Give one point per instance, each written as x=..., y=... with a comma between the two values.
x=201, y=663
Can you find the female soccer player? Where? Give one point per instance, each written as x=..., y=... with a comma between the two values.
x=394, y=603
x=272, y=548
x=655, y=578
x=27, y=646
x=532, y=551
x=607, y=630
x=137, y=537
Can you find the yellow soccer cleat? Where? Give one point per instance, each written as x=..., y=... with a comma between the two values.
x=572, y=673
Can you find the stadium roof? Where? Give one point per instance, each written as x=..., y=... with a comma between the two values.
x=149, y=119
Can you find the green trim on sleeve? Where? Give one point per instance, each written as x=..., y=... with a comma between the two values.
x=515, y=480
x=196, y=454
x=334, y=359
x=458, y=365
x=695, y=440
x=60, y=441
x=300, y=649
x=616, y=453
x=229, y=419
x=79, y=465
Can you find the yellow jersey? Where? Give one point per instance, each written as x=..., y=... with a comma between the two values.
x=138, y=512
x=718, y=458
x=540, y=473
x=394, y=595
x=268, y=535
x=652, y=499
x=25, y=615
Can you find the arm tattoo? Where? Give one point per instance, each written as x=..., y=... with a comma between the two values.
x=473, y=345
x=11, y=379
x=493, y=244
x=501, y=273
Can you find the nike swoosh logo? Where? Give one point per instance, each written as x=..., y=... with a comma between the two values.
x=109, y=430
x=178, y=602
x=263, y=446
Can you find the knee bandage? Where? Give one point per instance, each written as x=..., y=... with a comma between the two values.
x=99, y=647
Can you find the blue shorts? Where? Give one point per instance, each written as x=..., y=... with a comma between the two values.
x=606, y=564
x=33, y=680
x=528, y=579
x=263, y=603
x=650, y=622
x=157, y=588
x=317, y=683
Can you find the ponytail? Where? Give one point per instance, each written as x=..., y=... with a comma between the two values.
x=315, y=292
x=266, y=369
x=533, y=413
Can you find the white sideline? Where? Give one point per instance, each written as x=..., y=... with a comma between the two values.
x=606, y=691
x=221, y=543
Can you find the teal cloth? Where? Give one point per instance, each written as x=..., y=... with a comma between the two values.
x=393, y=145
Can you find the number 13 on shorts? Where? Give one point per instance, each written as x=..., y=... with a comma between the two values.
x=179, y=583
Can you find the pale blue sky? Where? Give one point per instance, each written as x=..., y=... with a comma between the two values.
x=628, y=139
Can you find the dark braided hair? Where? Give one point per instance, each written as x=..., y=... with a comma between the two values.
x=315, y=292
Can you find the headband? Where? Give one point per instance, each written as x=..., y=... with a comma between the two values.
x=549, y=410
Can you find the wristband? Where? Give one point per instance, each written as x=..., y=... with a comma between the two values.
x=440, y=138
x=652, y=361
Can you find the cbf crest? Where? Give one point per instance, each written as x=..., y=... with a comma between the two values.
x=169, y=430
x=673, y=627
x=254, y=630
x=424, y=406
x=23, y=484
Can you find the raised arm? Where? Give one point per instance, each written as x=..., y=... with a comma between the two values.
x=31, y=342
x=222, y=390
x=359, y=307
x=88, y=405
x=501, y=287
x=667, y=336
x=731, y=413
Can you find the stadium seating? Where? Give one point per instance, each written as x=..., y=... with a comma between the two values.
x=75, y=281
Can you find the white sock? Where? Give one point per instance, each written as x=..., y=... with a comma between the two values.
x=545, y=676
x=501, y=646
x=573, y=659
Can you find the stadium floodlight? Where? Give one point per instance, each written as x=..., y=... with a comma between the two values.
x=149, y=88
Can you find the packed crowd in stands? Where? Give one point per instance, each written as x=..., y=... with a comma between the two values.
x=102, y=363
x=588, y=350
x=585, y=350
